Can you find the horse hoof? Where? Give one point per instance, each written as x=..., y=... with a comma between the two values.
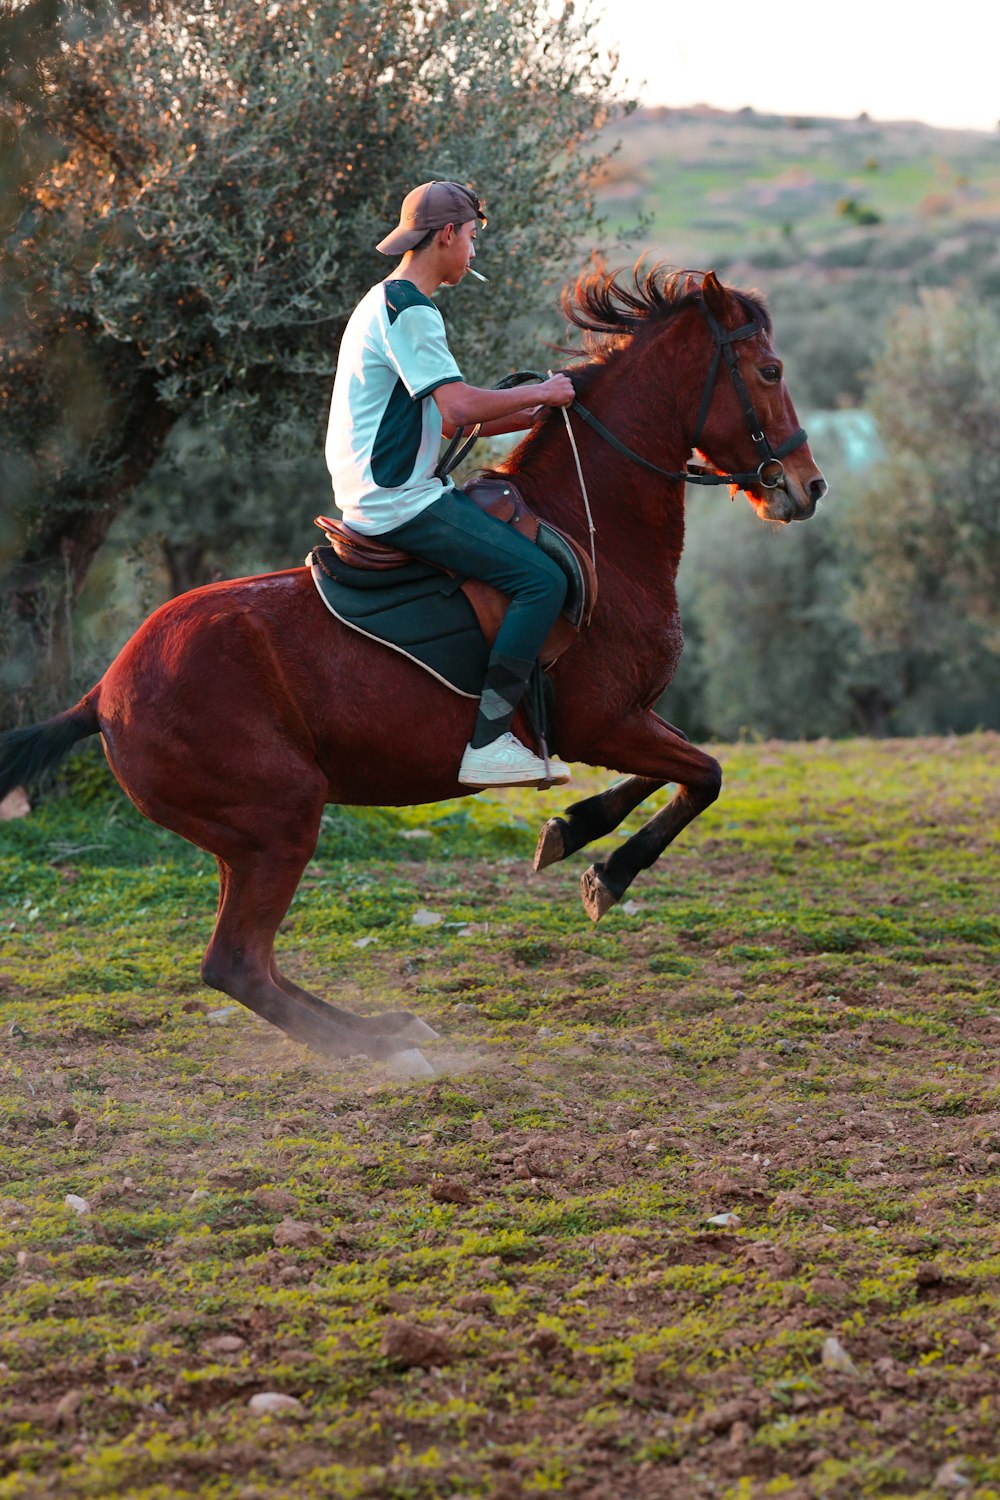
x=597, y=898
x=551, y=844
x=417, y=1031
x=410, y=1063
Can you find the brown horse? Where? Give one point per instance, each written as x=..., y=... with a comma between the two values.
x=237, y=711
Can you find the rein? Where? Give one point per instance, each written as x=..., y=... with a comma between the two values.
x=591, y=528
x=769, y=472
x=459, y=445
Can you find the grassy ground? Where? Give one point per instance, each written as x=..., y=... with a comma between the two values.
x=507, y=1281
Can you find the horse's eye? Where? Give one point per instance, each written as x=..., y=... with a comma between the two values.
x=771, y=373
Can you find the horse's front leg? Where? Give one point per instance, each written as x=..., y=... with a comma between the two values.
x=655, y=753
x=591, y=819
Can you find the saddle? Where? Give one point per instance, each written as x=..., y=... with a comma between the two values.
x=498, y=496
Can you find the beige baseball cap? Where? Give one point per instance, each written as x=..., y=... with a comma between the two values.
x=432, y=205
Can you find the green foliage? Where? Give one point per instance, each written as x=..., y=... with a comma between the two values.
x=769, y=650
x=929, y=595
x=881, y=614
x=192, y=243
x=853, y=622
x=850, y=208
x=759, y=194
x=226, y=174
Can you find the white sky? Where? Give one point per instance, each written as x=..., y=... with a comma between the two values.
x=898, y=61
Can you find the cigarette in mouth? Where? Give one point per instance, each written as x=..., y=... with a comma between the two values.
x=478, y=275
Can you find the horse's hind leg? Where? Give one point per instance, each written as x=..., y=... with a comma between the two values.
x=262, y=848
x=402, y=1024
x=256, y=890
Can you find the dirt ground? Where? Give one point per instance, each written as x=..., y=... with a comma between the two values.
x=702, y=1202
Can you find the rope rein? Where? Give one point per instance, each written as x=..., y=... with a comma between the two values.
x=583, y=484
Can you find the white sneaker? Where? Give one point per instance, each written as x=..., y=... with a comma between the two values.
x=506, y=762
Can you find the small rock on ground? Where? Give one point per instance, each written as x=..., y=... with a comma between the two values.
x=408, y=1344
x=66, y=1408
x=225, y=1343
x=273, y=1403
x=15, y=805
x=950, y=1477
x=446, y=1190
x=294, y=1234
x=277, y=1199
x=836, y=1357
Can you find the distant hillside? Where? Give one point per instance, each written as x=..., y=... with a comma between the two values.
x=836, y=220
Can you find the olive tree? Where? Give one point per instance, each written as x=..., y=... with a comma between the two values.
x=927, y=525
x=192, y=239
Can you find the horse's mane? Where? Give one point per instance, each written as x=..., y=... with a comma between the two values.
x=609, y=310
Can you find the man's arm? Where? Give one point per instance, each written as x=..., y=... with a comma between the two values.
x=463, y=405
x=518, y=421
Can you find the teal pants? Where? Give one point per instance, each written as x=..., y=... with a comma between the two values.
x=454, y=533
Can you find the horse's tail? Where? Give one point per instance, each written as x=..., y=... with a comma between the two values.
x=26, y=754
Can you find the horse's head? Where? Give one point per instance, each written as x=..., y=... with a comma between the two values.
x=679, y=361
x=747, y=413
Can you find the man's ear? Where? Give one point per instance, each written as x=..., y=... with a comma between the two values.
x=447, y=234
x=715, y=295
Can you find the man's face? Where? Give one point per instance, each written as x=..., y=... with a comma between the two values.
x=458, y=243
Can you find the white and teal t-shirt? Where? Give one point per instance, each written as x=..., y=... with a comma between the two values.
x=384, y=437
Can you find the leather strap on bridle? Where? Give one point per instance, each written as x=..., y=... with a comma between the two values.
x=694, y=473
x=725, y=338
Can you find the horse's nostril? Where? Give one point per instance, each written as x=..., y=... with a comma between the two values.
x=818, y=488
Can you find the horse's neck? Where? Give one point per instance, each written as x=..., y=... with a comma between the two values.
x=638, y=516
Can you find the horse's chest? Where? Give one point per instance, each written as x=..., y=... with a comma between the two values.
x=663, y=659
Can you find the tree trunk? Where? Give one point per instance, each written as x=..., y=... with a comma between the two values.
x=188, y=566
x=44, y=585
x=873, y=706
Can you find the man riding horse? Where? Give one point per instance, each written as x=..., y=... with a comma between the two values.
x=397, y=390
x=224, y=722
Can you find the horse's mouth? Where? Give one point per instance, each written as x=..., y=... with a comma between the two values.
x=779, y=504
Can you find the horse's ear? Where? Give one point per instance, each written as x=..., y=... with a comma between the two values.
x=714, y=294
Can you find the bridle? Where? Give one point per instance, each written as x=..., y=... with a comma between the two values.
x=770, y=458
x=769, y=472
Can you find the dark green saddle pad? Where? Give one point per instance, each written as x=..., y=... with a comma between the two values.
x=416, y=609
